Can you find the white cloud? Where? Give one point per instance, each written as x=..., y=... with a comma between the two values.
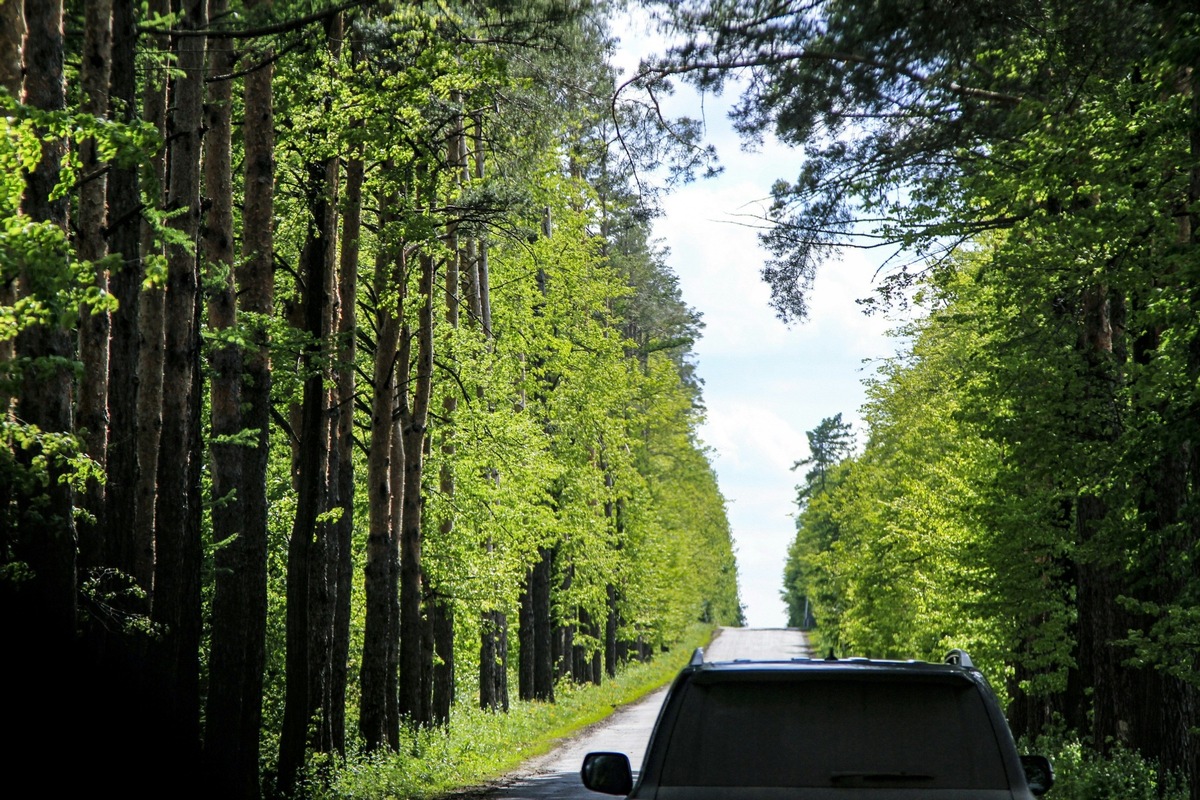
x=748, y=433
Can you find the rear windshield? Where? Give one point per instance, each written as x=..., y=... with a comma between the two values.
x=929, y=733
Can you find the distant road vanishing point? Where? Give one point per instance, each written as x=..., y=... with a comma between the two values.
x=556, y=775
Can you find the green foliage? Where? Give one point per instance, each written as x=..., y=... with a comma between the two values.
x=1080, y=773
x=1027, y=487
x=570, y=426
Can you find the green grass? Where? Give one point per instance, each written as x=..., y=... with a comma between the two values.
x=480, y=745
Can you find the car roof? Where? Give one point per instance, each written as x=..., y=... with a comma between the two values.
x=957, y=664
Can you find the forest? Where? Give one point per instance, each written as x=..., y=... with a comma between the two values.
x=344, y=387
x=1026, y=480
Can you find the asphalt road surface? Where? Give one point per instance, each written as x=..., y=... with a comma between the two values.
x=556, y=774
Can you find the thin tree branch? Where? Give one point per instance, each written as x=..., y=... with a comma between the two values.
x=267, y=30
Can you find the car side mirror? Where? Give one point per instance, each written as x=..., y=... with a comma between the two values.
x=609, y=773
x=1039, y=774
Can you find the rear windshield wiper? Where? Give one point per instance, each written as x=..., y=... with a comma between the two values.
x=860, y=778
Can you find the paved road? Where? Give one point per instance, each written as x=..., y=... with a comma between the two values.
x=556, y=775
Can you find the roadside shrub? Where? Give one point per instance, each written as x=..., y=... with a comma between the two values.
x=1081, y=773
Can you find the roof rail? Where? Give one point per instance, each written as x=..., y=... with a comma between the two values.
x=697, y=657
x=959, y=658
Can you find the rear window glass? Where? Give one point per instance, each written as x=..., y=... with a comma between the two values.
x=919, y=734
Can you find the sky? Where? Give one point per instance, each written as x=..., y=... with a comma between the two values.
x=765, y=384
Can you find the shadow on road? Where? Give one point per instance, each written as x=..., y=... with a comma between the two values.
x=558, y=785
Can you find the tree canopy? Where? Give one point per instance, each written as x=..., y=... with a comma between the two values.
x=1027, y=483
x=341, y=380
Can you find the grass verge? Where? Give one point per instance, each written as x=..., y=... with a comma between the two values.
x=479, y=745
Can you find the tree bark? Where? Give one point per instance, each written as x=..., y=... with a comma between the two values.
x=45, y=607
x=245, y=586
x=124, y=381
x=414, y=416
x=137, y=549
x=312, y=551
x=493, y=646
x=176, y=605
x=378, y=580
x=397, y=480
x=441, y=609
x=12, y=39
x=543, y=626
x=441, y=613
x=230, y=760
x=610, y=633
x=343, y=532
x=564, y=633
x=527, y=647
x=92, y=417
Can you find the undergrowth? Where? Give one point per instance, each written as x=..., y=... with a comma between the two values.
x=1081, y=773
x=481, y=745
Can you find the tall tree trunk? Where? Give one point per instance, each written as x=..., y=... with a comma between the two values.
x=414, y=414
x=138, y=547
x=313, y=550
x=238, y=649
x=527, y=646
x=493, y=647
x=562, y=639
x=441, y=614
x=39, y=614
x=176, y=605
x=311, y=476
x=12, y=39
x=398, y=482
x=92, y=417
x=347, y=333
x=326, y=569
x=610, y=633
x=543, y=626
x=379, y=581
x=1101, y=622
x=118, y=654
x=230, y=760
x=442, y=611
x=309, y=594
x=125, y=380
x=43, y=611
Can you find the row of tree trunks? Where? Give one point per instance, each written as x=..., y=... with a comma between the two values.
x=548, y=652
x=586, y=665
x=38, y=616
x=493, y=661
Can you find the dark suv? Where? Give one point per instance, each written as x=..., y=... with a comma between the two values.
x=811, y=729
